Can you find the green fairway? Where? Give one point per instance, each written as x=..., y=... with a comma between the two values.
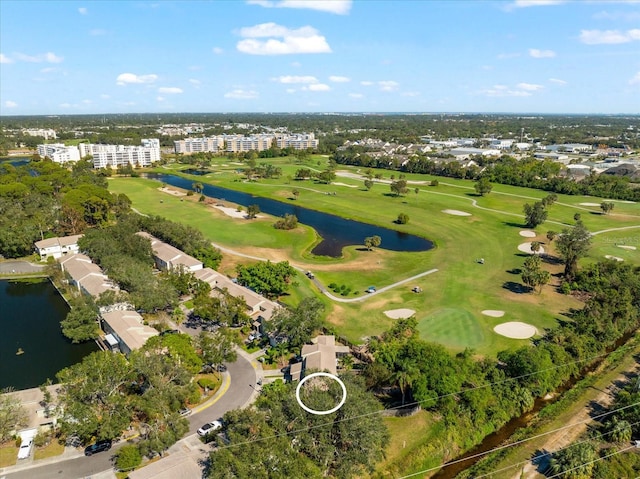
x=450, y=304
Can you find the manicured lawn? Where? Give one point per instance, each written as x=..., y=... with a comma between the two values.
x=449, y=308
x=53, y=449
x=8, y=454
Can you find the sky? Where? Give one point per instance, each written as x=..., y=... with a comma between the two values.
x=511, y=56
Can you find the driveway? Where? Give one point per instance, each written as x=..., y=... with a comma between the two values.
x=16, y=267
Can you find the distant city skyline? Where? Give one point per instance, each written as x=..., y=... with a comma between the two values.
x=517, y=56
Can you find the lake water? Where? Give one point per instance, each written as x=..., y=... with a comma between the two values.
x=30, y=315
x=336, y=232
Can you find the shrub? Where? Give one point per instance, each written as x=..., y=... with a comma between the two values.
x=403, y=219
x=189, y=193
x=206, y=383
x=333, y=285
x=434, y=183
x=128, y=457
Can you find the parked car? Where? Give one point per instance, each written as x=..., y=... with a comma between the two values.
x=371, y=289
x=310, y=275
x=100, y=446
x=209, y=427
x=221, y=368
x=185, y=411
x=25, y=449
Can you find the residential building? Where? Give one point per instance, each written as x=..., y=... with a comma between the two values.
x=198, y=145
x=125, y=330
x=240, y=143
x=501, y=144
x=115, y=156
x=59, y=153
x=47, y=134
x=464, y=153
x=298, y=142
x=85, y=275
x=168, y=257
x=57, y=247
x=322, y=355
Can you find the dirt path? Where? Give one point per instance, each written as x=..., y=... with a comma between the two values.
x=563, y=438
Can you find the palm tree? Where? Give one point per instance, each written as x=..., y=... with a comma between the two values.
x=405, y=375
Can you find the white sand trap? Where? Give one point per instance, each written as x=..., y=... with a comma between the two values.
x=526, y=248
x=172, y=192
x=344, y=184
x=528, y=233
x=402, y=313
x=589, y=204
x=494, y=313
x=624, y=246
x=456, y=212
x=608, y=256
x=233, y=212
x=516, y=330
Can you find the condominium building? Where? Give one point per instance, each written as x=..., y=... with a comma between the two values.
x=59, y=153
x=240, y=143
x=298, y=142
x=115, y=156
x=47, y=134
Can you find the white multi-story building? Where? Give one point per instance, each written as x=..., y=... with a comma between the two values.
x=238, y=143
x=501, y=144
x=198, y=145
x=59, y=153
x=47, y=134
x=115, y=156
x=299, y=142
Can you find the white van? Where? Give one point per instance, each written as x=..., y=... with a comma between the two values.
x=25, y=449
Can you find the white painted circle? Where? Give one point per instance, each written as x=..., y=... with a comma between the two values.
x=313, y=411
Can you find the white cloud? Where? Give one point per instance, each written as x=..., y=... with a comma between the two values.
x=356, y=95
x=529, y=86
x=5, y=59
x=388, y=85
x=195, y=82
x=241, y=94
x=635, y=80
x=83, y=11
x=340, y=7
x=296, y=64
x=535, y=53
x=302, y=40
x=597, y=37
x=96, y=32
x=339, y=79
x=10, y=104
x=557, y=81
x=366, y=83
x=129, y=78
x=65, y=105
x=104, y=96
x=290, y=90
x=533, y=3
x=617, y=16
x=87, y=102
x=520, y=90
x=48, y=57
x=170, y=90
x=411, y=93
x=217, y=50
x=160, y=98
x=292, y=79
x=317, y=87
x=48, y=70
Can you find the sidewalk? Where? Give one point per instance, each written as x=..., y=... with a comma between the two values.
x=24, y=464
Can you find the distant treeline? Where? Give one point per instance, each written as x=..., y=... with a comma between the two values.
x=528, y=172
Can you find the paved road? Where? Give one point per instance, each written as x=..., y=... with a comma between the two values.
x=241, y=391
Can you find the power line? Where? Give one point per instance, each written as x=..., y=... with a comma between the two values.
x=506, y=446
x=544, y=454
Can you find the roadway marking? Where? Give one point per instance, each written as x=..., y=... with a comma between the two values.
x=221, y=392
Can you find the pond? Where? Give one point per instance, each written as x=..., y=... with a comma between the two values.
x=336, y=232
x=32, y=346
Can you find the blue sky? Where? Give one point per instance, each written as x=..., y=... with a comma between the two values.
x=546, y=56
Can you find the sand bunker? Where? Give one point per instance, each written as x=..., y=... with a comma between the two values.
x=344, y=184
x=589, y=204
x=401, y=313
x=494, y=313
x=624, y=246
x=526, y=248
x=516, y=330
x=528, y=233
x=172, y=192
x=608, y=256
x=456, y=212
x=233, y=212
